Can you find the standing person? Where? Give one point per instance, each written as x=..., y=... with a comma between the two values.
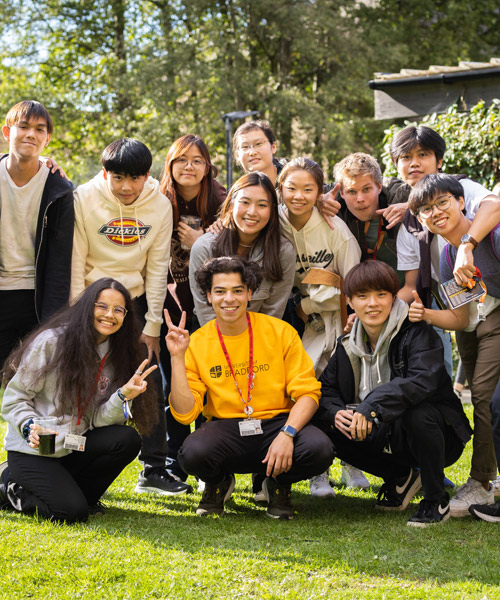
x=189, y=183
x=123, y=226
x=261, y=394
x=438, y=201
x=254, y=146
x=387, y=402
x=36, y=227
x=251, y=228
x=371, y=206
x=323, y=254
x=78, y=368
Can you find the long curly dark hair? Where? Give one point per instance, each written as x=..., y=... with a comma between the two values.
x=76, y=361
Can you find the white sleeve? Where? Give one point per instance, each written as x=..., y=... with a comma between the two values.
x=408, y=250
x=474, y=194
x=80, y=251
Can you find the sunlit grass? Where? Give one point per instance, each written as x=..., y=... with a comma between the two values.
x=147, y=546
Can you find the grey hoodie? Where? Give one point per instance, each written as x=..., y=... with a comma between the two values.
x=26, y=398
x=375, y=369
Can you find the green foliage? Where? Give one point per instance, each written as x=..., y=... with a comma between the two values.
x=158, y=69
x=472, y=142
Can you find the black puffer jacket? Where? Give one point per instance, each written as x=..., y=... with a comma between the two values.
x=418, y=375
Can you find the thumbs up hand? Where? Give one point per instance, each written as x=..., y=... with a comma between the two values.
x=417, y=309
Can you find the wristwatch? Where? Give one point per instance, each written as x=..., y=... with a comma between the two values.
x=289, y=431
x=468, y=239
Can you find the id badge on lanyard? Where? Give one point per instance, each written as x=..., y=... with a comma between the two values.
x=73, y=441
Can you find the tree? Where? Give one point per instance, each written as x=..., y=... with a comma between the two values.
x=472, y=142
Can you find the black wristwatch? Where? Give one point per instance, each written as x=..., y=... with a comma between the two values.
x=27, y=430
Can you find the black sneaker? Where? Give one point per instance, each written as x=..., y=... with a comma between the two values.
x=397, y=495
x=4, y=501
x=214, y=496
x=431, y=513
x=486, y=512
x=278, y=498
x=158, y=481
x=97, y=510
x=174, y=469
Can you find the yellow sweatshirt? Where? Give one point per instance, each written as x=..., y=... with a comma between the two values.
x=129, y=243
x=283, y=371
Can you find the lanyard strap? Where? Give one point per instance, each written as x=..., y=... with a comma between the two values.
x=92, y=393
x=248, y=410
x=380, y=238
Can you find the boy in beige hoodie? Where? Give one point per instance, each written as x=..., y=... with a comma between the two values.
x=123, y=226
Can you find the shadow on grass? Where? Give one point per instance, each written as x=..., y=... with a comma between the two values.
x=345, y=530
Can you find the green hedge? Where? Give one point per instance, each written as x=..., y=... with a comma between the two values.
x=472, y=142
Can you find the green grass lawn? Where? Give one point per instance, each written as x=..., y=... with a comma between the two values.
x=147, y=546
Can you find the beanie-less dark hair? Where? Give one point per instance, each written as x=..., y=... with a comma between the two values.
x=127, y=157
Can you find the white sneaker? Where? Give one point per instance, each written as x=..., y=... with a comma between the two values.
x=320, y=486
x=353, y=478
x=495, y=486
x=260, y=497
x=471, y=492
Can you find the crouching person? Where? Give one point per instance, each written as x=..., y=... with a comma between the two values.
x=80, y=370
x=261, y=394
x=407, y=424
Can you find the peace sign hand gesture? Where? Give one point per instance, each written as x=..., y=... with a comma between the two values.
x=177, y=338
x=137, y=384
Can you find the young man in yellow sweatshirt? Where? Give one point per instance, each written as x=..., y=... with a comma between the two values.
x=261, y=394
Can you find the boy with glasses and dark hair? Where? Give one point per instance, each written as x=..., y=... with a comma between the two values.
x=438, y=203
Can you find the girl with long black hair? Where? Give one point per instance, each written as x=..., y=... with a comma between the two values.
x=81, y=368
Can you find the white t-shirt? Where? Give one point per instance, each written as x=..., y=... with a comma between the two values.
x=19, y=208
x=407, y=244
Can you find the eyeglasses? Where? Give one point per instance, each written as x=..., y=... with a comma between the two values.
x=197, y=163
x=257, y=146
x=118, y=311
x=442, y=203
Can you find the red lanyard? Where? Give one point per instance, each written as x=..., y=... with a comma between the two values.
x=92, y=393
x=380, y=238
x=248, y=410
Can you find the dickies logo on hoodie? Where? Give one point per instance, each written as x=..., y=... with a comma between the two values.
x=124, y=232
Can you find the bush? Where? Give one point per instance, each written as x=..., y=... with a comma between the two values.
x=472, y=142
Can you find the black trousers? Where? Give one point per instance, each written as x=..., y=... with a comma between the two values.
x=420, y=438
x=62, y=489
x=17, y=319
x=217, y=448
x=154, y=449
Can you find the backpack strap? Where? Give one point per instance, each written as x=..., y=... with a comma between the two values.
x=491, y=241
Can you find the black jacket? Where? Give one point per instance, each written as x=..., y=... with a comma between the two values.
x=418, y=375
x=53, y=246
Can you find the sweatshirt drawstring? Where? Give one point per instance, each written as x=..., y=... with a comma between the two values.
x=306, y=269
x=121, y=222
x=365, y=370
x=379, y=380
x=137, y=230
